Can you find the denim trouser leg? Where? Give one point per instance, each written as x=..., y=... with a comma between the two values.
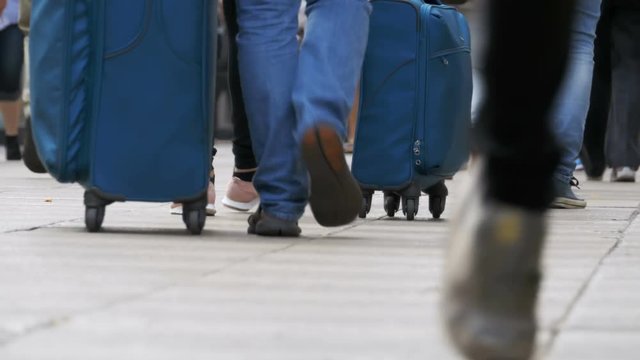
x=572, y=102
x=268, y=60
x=330, y=62
x=320, y=80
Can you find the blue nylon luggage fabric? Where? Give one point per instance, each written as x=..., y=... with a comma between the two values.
x=415, y=102
x=124, y=108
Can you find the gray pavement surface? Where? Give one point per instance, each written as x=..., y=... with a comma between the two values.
x=145, y=289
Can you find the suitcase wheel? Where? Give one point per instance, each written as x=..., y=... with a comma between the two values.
x=410, y=208
x=93, y=217
x=194, y=219
x=436, y=205
x=367, y=197
x=391, y=203
x=437, y=199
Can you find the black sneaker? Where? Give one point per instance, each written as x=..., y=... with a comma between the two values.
x=13, y=148
x=335, y=195
x=565, y=198
x=264, y=224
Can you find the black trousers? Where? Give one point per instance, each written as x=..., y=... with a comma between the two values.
x=612, y=130
x=11, y=62
x=242, y=148
x=527, y=52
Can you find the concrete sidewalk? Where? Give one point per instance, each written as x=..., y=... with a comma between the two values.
x=145, y=289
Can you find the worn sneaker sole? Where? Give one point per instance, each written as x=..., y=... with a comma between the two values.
x=335, y=195
x=567, y=203
x=240, y=206
x=624, y=178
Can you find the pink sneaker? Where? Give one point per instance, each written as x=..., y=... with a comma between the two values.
x=176, y=208
x=241, y=195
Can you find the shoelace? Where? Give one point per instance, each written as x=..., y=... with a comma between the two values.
x=574, y=182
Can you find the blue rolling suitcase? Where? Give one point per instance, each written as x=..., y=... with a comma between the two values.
x=415, y=104
x=121, y=95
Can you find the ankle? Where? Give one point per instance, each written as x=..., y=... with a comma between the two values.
x=244, y=174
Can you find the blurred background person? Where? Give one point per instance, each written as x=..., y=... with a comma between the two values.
x=612, y=130
x=493, y=270
x=11, y=63
x=572, y=103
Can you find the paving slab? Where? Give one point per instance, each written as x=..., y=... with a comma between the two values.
x=146, y=289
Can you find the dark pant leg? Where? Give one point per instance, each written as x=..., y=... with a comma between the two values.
x=11, y=62
x=242, y=148
x=623, y=133
x=525, y=62
x=592, y=154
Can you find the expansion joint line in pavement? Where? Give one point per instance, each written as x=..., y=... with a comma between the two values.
x=38, y=227
x=556, y=328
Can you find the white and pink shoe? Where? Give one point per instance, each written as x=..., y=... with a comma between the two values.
x=241, y=195
x=176, y=208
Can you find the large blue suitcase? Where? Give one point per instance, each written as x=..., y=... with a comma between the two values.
x=121, y=94
x=415, y=104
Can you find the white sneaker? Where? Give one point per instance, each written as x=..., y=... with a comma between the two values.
x=623, y=174
x=241, y=195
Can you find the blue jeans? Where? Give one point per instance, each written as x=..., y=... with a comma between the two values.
x=289, y=89
x=572, y=102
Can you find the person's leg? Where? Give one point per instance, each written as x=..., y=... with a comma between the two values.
x=493, y=270
x=11, y=62
x=11, y=115
x=572, y=102
x=241, y=194
x=331, y=58
x=623, y=134
x=592, y=154
x=268, y=60
x=242, y=148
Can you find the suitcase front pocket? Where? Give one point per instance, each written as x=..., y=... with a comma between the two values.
x=126, y=23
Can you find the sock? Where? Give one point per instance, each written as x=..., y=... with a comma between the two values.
x=11, y=140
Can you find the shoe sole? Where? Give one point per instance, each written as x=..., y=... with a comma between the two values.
x=624, y=179
x=210, y=210
x=566, y=203
x=267, y=226
x=335, y=195
x=239, y=206
x=275, y=231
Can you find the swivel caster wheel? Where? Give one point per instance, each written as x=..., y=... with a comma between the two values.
x=437, y=199
x=93, y=217
x=391, y=203
x=194, y=219
x=437, y=205
x=366, y=204
x=410, y=208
